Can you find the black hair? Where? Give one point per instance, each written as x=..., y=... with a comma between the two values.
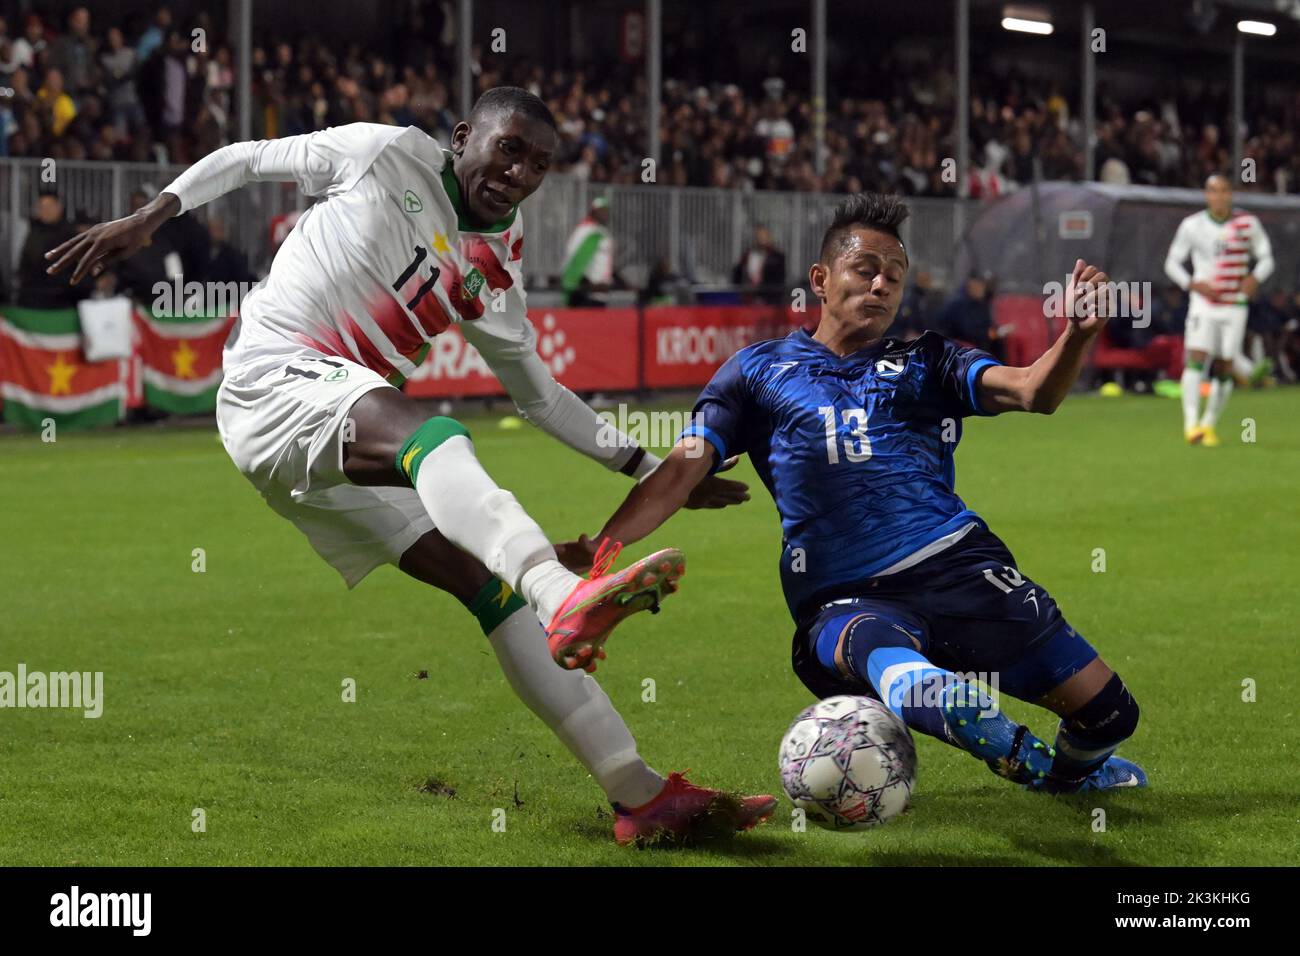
x=510, y=99
x=868, y=211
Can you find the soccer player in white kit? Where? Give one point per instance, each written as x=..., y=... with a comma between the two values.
x=1221, y=244
x=407, y=239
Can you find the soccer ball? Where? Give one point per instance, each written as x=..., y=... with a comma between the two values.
x=849, y=763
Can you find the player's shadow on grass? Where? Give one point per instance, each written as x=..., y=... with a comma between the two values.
x=913, y=858
x=1036, y=826
x=751, y=845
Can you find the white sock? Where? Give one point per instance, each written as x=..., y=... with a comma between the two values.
x=1191, y=384
x=1220, y=391
x=576, y=709
x=545, y=586
x=477, y=516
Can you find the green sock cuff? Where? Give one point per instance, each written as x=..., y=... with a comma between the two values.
x=494, y=602
x=1226, y=379
x=424, y=440
x=1198, y=366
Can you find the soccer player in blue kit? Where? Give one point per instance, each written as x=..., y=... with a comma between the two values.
x=897, y=587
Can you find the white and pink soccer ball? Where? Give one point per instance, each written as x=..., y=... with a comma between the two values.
x=849, y=763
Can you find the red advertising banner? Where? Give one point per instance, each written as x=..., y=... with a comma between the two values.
x=684, y=345
x=586, y=349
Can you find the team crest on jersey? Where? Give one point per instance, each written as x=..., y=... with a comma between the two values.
x=891, y=366
x=412, y=202
x=473, y=283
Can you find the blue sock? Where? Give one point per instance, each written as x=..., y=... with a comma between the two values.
x=878, y=651
x=910, y=686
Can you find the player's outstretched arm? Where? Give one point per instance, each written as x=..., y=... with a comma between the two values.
x=319, y=162
x=110, y=242
x=544, y=402
x=653, y=501
x=1042, y=387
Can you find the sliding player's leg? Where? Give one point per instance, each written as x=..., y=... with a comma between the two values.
x=1097, y=715
x=882, y=645
x=1038, y=657
x=396, y=442
x=575, y=707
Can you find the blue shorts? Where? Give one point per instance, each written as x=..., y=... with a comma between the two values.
x=968, y=608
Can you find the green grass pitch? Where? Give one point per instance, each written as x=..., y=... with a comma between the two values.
x=223, y=689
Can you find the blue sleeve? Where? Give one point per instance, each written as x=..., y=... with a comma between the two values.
x=957, y=372
x=720, y=412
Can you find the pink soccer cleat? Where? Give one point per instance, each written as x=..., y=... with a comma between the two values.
x=684, y=813
x=597, y=605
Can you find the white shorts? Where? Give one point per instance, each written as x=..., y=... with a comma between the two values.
x=282, y=419
x=1217, y=332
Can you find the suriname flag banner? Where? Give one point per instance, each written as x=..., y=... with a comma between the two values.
x=44, y=375
x=181, y=360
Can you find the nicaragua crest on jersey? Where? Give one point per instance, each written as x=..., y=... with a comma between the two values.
x=891, y=364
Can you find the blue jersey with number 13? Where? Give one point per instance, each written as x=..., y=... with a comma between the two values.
x=857, y=452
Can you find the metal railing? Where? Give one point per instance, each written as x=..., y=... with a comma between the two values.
x=701, y=232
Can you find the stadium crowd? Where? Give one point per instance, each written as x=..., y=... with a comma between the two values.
x=162, y=91
x=157, y=90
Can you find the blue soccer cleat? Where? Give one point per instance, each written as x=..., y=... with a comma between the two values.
x=1115, y=774
x=1009, y=749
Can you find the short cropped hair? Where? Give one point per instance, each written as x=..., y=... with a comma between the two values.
x=868, y=211
x=508, y=100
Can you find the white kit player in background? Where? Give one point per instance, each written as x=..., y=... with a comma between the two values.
x=1222, y=244
x=406, y=239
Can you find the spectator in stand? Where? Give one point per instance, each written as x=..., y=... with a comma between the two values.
x=722, y=126
x=8, y=60
x=74, y=54
x=968, y=316
x=177, y=101
x=184, y=234
x=118, y=66
x=1267, y=324
x=155, y=263
x=589, y=258
x=760, y=273
x=54, y=105
x=661, y=286
x=155, y=35
x=1169, y=312
x=914, y=316
x=31, y=44
x=225, y=262
x=1289, y=347
x=36, y=288
x=1133, y=333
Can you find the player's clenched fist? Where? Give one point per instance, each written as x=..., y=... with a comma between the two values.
x=1087, y=301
